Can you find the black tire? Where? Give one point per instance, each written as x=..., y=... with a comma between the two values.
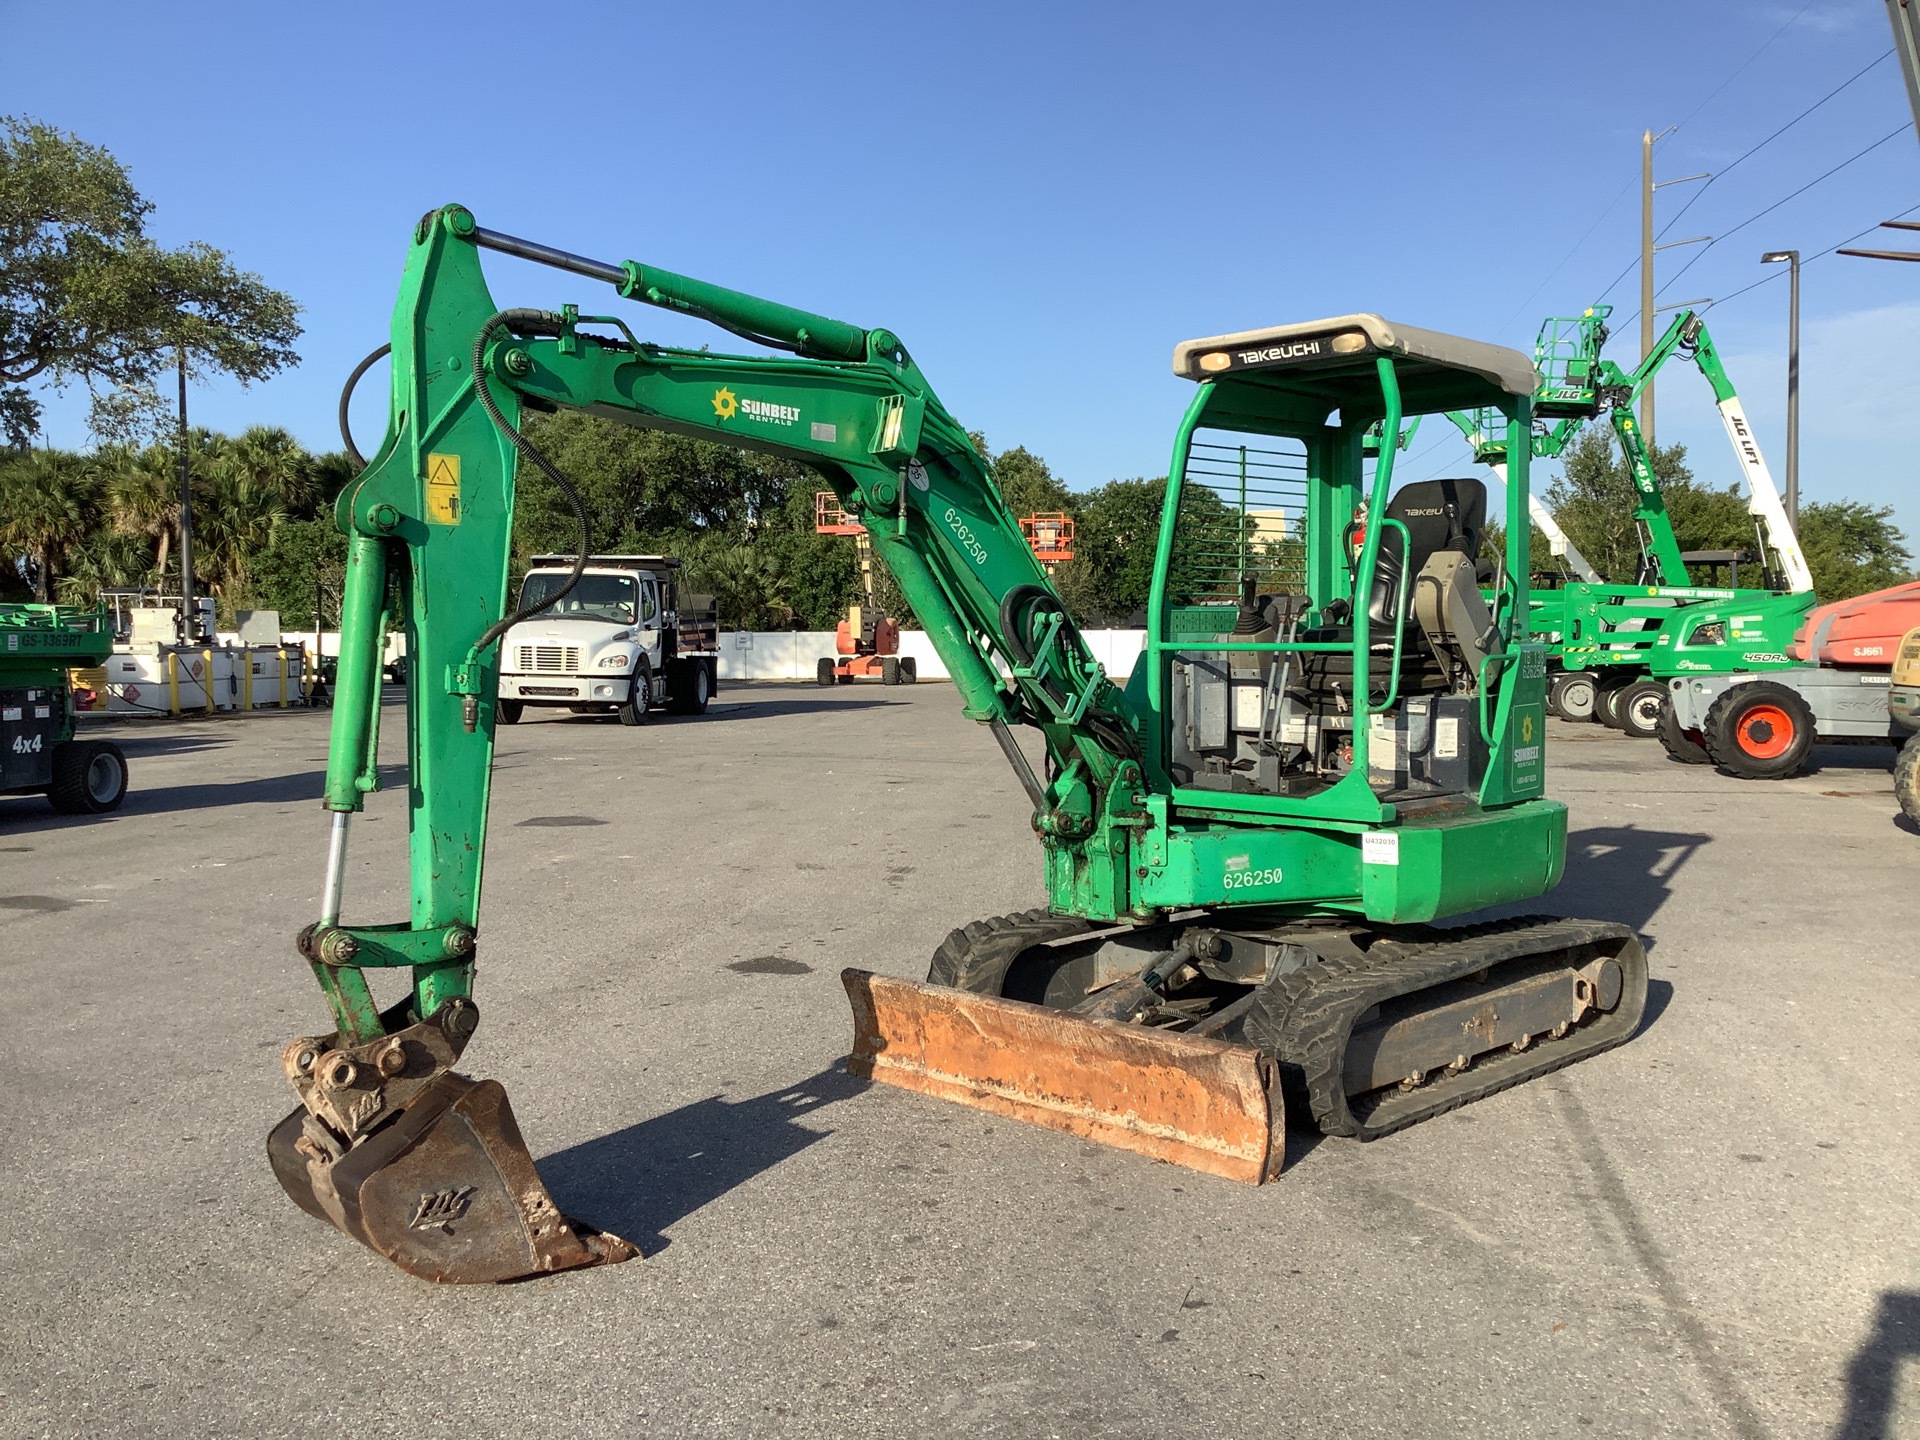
x=508, y=712
x=1761, y=730
x=89, y=777
x=1606, y=704
x=633, y=711
x=976, y=957
x=890, y=670
x=1638, y=708
x=823, y=673
x=1906, y=778
x=1573, y=698
x=690, y=696
x=909, y=670
x=1679, y=744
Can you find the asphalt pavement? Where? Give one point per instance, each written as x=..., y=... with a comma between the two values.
x=1708, y=1232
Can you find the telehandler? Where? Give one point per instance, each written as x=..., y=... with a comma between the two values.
x=1330, y=742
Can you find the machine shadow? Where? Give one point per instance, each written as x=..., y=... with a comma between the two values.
x=1615, y=872
x=638, y=1181
x=1875, y=1369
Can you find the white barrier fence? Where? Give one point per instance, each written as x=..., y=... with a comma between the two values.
x=796, y=654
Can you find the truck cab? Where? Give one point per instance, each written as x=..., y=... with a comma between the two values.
x=616, y=643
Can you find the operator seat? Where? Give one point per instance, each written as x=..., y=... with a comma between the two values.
x=1445, y=520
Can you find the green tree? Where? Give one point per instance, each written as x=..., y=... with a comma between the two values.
x=1852, y=547
x=1111, y=574
x=86, y=295
x=49, y=501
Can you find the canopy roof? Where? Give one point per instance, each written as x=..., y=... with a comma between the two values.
x=1322, y=365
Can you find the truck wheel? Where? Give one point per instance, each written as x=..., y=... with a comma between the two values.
x=1906, y=779
x=1639, y=708
x=1759, y=731
x=639, y=696
x=823, y=672
x=89, y=777
x=1573, y=697
x=691, y=694
x=909, y=670
x=507, y=712
x=890, y=670
x=1678, y=743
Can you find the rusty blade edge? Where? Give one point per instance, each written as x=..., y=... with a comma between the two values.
x=1238, y=1097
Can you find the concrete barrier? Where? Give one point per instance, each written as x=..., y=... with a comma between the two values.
x=796, y=654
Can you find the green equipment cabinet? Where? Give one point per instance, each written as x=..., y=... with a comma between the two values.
x=39, y=754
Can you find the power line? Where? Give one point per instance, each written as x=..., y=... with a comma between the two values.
x=1821, y=254
x=1575, y=250
x=1745, y=63
x=1824, y=175
x=1719, y=174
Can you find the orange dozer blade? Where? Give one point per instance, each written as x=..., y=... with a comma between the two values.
x=1206, y=1104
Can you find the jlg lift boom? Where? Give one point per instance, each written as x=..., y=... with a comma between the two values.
x=1319, y=754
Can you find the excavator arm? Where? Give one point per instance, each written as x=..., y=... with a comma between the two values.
x=429, y=525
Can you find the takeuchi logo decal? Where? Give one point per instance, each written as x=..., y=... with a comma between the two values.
x=726, y=405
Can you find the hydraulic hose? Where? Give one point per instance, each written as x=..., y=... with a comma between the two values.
x=536, y=320
x=346, y=397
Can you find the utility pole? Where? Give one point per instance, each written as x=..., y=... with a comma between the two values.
x=1792, y=259
x=1646, y=282
x=1647, y=251
x=189, y=617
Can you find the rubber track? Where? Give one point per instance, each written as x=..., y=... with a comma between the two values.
x=977, y=956
x=1306, y=1018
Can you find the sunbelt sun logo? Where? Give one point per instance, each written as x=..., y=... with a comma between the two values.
x=727, y=405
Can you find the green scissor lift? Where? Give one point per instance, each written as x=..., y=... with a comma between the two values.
x=1614, y=645
x=39, y=754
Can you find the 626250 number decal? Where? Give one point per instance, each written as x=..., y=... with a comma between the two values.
x=964, y=534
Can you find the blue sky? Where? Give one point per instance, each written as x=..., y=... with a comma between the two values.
x=1041, y=199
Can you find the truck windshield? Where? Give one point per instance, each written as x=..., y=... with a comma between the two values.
x=596, y=597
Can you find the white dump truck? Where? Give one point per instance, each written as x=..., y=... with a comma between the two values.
x=617, y=643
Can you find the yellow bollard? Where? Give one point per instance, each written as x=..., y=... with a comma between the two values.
x=283, y=677
x=206, y=678
x=173, y=682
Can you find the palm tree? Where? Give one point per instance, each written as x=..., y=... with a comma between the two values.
x=48, y=502
x=234, y=522
x=271, y=460
x=143, y=498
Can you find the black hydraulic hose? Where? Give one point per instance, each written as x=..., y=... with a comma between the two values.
x=1017, y=609
x=346, y=397
x=535, y=320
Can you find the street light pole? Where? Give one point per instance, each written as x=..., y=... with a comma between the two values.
x=189, y=617
x=1792, y=258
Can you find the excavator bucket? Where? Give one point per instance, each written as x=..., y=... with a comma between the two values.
x=1189, y=1100
x=445, y=1189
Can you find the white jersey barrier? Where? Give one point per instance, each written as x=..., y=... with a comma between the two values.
x=796, y=654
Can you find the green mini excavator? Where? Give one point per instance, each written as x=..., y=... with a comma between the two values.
x=1331, y=741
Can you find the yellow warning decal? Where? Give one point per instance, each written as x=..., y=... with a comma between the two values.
x=443, y=489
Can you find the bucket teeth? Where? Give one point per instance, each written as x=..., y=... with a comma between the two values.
x=445, y=1189
x=1203, y=1103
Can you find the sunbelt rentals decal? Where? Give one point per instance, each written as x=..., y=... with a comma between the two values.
x=727, y=405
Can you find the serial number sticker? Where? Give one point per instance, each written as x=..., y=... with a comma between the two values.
x=1380, y=847
x=1446, y=738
